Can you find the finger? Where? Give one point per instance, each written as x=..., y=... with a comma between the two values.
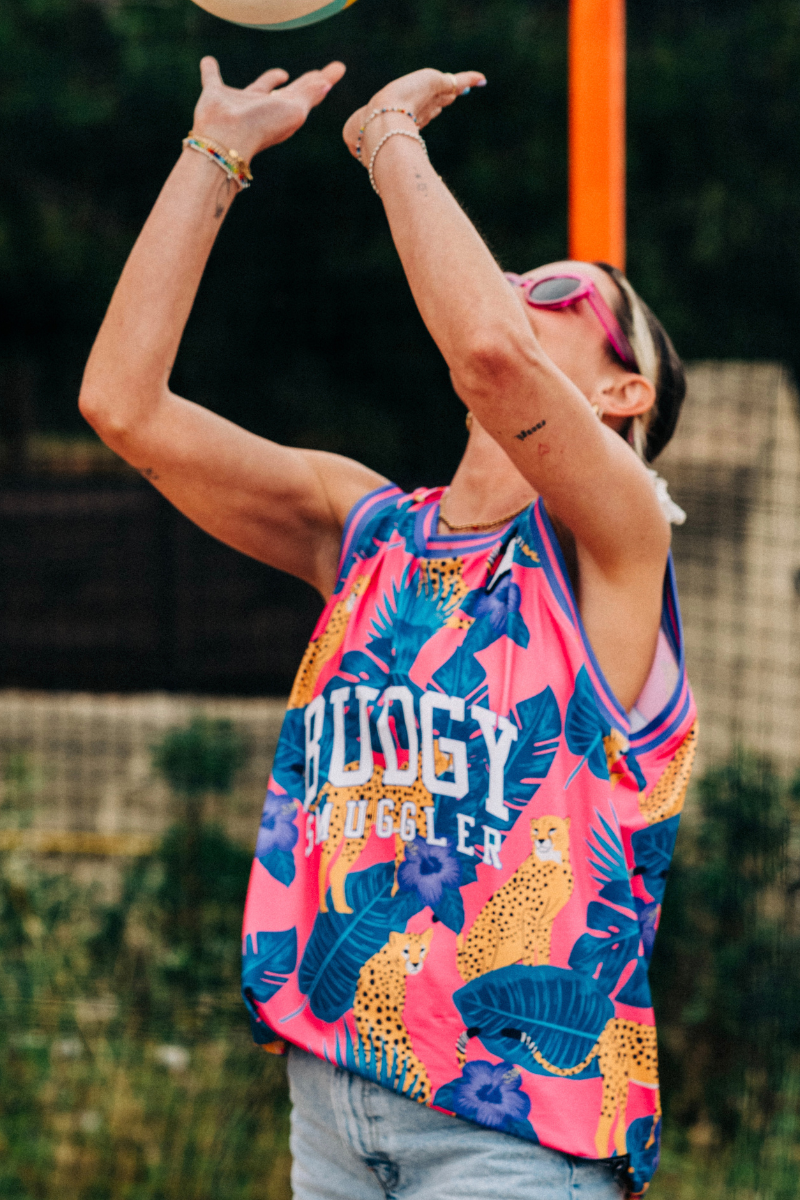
x=459, y=82
x=314, y=86
x=333, y=72
x=269, y=80
x=209, y=72
x=469, y=79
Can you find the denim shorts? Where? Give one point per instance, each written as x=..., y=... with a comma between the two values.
x=352, y=1139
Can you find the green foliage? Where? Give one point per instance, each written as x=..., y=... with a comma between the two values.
x=726, y=971
x=304, y=293
x=127, y=1067
x=202, y=874
x=201, y=758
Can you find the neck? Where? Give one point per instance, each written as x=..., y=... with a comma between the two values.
x=486, y=484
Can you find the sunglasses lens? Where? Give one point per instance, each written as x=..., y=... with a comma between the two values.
x=550, y=290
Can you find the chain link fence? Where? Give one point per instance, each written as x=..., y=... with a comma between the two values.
x=124, y=1047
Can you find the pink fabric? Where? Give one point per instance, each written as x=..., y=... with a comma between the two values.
x=486, y=625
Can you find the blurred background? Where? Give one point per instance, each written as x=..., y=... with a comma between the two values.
x=132, y=646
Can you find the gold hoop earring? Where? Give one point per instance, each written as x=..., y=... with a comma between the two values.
x=597, y=411
x=468, y=420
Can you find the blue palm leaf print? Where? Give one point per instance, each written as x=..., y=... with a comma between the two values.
x=517, y=1010
x=268, y=960
x=643, y=1139
x=341, y=943
x=652, y=852
x=605, y=957
x=585, y=728
x=532, y=754
x=609, y=865
x=408, y=619
x=288, y=767
x=356, y=1058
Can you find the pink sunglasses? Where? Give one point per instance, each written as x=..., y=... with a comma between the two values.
x=562, y=291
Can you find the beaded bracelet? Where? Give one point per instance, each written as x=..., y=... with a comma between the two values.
x=392, y=133
x=231, y=162
x=378, y=112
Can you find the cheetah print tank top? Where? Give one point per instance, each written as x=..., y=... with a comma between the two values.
x=463, y=850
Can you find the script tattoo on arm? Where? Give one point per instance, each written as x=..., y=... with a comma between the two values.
x=525, y=433
x=422, y=186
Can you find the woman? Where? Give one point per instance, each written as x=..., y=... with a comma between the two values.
x=463, y=848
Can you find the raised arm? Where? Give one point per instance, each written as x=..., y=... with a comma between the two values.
x=589, y=478
x=283, y=506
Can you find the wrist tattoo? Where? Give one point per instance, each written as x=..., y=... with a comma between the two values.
x=524, y=433
x=148, y=473
x=223, y=193
x=422, y=185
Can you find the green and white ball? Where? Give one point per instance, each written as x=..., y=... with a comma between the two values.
x=274, y=14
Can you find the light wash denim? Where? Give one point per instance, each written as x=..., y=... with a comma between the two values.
x=352, y=1139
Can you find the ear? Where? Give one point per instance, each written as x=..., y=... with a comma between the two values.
x=625, y=394
x=567, y=821
x=426, y=937
x=394, y=938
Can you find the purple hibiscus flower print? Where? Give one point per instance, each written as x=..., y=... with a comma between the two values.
x=648, y=923
x=496, y=613
x=277, y=830
x=499, y=604
x=277, y=837
x=489, y=1094
x=428, y=870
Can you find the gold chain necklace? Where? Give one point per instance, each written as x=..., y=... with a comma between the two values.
x=475, y=526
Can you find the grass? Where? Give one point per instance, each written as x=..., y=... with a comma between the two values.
x=96, y=1116
x=128, y=1072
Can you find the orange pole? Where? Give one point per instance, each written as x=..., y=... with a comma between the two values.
x=597, y=131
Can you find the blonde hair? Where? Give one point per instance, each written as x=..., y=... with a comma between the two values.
x=657, y=361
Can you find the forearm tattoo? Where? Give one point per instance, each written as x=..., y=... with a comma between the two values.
x=525, y=433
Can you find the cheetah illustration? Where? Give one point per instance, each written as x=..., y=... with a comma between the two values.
x=320, y=650
x=351, y=812
x=616, y=746
x=667, y=797
x=441, y=580
x=526, y=550
x=515, y=925
x=626, y=1053
x=378, y=1009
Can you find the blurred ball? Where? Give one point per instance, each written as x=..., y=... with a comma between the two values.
x=274, y=14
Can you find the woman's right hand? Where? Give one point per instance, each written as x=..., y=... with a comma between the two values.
x=263, y=114
x=425, y=93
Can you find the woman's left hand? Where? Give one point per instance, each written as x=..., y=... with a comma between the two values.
x=424, y=93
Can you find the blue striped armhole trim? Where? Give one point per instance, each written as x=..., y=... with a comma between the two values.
x=359, y=516
x=677, y=707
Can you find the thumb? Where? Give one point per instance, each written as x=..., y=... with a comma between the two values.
x=209, y=72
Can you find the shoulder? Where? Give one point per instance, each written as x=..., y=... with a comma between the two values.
x=344, y=481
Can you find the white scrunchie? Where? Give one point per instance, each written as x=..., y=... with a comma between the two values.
x=672, y=511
